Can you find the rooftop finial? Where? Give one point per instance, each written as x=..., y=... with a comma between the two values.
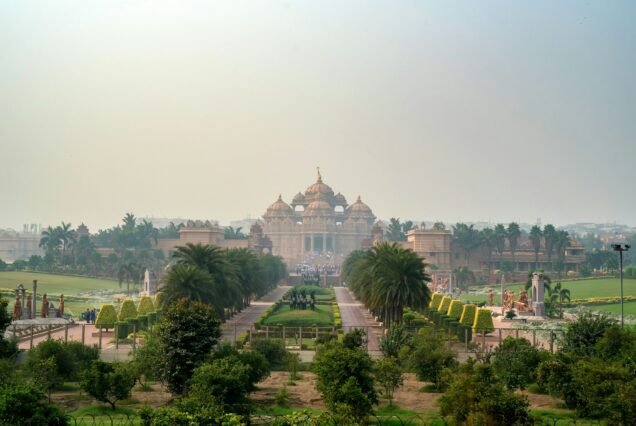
x=319, y=176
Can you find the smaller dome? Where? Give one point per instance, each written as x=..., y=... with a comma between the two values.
x=360, y=210
x=279, y=209
x=319, y=208
x=299, y=199
x=340, y=200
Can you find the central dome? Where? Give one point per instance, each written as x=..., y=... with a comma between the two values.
x=319, y=208
x=319, y=191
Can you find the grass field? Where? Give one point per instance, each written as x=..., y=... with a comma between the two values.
x=321, y=317
x=579, y=289
x=615, y=308
x=79, y=292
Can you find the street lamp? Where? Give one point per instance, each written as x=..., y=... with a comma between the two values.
x=620, y=248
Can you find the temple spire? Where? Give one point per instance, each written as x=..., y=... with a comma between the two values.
x=319, y=176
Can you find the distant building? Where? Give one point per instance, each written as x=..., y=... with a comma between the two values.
x=20, y=245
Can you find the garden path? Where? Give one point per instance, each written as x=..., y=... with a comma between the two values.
x=244, y=320
x=354, y=315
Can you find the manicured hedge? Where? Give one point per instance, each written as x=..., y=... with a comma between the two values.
x=127, y=310
x=455, y=309
x=106, y=318
x=468, y=315
x=121, y=329
x=483, y=322
x=444, y=304
x=145, y=306
x=159, y=299
x=437, y=297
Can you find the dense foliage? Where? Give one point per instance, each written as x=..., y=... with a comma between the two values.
x=387, y=279
x=108, y=382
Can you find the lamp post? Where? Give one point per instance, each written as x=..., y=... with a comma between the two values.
x=620, y=248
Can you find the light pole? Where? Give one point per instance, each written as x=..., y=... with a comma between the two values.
x=620, y=248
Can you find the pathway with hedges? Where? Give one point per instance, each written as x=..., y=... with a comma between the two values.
x=354, y=315
x=243, y=321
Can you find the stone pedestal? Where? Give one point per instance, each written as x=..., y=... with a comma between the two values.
x=538, y=305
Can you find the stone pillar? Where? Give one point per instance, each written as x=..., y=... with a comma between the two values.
x=313, y=247
x=538, y=305
x=324, y=243
x=35, y=289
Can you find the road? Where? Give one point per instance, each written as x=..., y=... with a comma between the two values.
x=354, y=315
x=244, y=321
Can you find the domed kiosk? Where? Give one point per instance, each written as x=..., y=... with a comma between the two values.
x=317, y=224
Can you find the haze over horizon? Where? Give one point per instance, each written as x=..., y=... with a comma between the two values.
x=445, y=111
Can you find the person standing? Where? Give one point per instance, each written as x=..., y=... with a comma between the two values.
x=87, y=316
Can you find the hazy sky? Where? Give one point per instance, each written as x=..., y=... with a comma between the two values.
x=443, y=110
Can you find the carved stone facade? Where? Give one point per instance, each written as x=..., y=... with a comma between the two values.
x=318, y=226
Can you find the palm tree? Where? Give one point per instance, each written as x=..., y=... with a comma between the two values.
x=549, y=235
x=561, y=242
x=500, y=236
x=230, y=233
x=184, y=281
x=513, y=233
x=129, y=272
x=464, y=277
x=535, y=238
x=467, y=238
x=50, y=240
x=487, y=239
x=558, y=296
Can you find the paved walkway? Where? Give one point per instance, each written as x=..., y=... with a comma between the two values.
x=354, y=315
x=244, y=320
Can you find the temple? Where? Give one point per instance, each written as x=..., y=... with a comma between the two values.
x=318, y=226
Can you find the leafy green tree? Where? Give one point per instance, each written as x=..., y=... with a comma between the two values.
x=7, y=347
x=394, y=230
x=272, y=349
x=24, y=404
x=476, y=396
x=516, y=361
x=45, y=374
x=389, y=376
x=187, y=333
x=396, y=337
x=344, y=376
x=108, y=382
x=65, y=364
x=3, y=265
x=429, y=357
x=354, y=339
x=582, y=335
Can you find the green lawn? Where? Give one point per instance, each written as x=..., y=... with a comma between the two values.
x=321, y=317
x=579, y=289
x=615, y=308
x=79, y=292
x=321, y=292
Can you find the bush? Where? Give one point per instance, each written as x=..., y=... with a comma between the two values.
x=429, y=357
x=516, y=362
x=159, y=300
x=444, y=304
x=121, y=329
x=127, y=310
x=109, y=382
x=107, y=317
x=24, y=404
x=483, y=322
x=142, y=320
x=273, y=350
x=435, y=301
x=63, y=360
x=468, y=315
x=388, y=374
x=145, y=306
x=455, y=309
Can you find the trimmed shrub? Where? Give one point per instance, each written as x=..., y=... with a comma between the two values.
x=444, y=304
x=455, y=309
x=106, y=318
x=127, y=310
x=437, y=297
x=133, y=325
x=145, y=306
x=468, y=315
x=483, y=322
x=143, y=322
x=121, y=329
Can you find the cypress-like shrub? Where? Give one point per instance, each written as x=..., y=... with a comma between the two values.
x=483, y=322
x=127, y=310
x=106, y=318
x=437, y=297
x=464, y=333
x=143, y=322
x=145, y=306
x=159, y=299
x=121, y=329
x=133, y=325
x=455, y=309
x=444, y=304
x=468, y=315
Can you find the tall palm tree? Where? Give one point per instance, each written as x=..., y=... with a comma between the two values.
x=513, y=233
x=558, y=296
x=129, y=272
x=487, y=239
x=466, y=237
x=535, y=238
x=561, y=242
x=500, y=236
x=184, y=281
x=50, y=240
x=549, y=235
x=67, y=236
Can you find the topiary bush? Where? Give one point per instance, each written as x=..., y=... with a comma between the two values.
x=159, y=299
x=455, y=309
x=145, y=306
x=437, y=297
x=444, y=304
x=121, y=329
x=468, y=315
x=127, y=310
x=106, y=318
x=483, y=322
